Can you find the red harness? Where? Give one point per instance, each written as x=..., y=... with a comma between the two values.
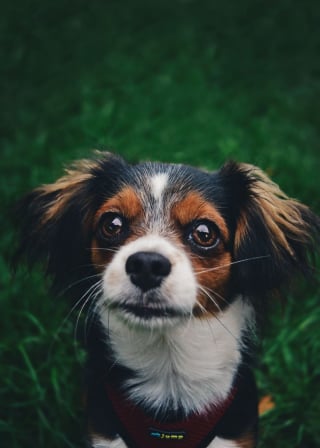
x=139, y=430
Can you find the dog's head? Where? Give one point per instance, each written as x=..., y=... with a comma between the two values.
x=154, y=243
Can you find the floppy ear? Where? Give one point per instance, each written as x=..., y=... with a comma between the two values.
x=55, y=219
x=275, y=237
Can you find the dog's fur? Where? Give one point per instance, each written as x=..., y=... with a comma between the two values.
x=175, y=263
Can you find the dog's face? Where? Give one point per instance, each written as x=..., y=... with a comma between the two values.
x=162, y=246
x=166, y=242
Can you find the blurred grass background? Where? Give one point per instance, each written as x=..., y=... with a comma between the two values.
x=182, y=81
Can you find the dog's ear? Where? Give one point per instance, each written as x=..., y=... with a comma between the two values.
x=275, y=237
x=55, y=219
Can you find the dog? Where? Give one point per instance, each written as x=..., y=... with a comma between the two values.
x=175, y=266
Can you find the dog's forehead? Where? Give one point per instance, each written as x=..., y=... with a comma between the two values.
x=158, y=182
x=167, y=190
x=161, y=193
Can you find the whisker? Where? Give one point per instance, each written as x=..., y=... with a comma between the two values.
x=89, y=294
x=92, y=314
x=104, y=249
x=227, y=329
x=208, y=321
x=210, y=297
x=62, y=292
x=55, y=336
x=217, y=295
x=244, y=260
x=68, y=315
x=215, y=315
x=202, y=308
x=190, y=318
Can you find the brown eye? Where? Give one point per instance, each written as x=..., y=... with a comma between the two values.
x=113, y=226
x=204, y=234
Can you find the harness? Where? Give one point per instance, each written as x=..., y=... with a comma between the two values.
x=140, y=430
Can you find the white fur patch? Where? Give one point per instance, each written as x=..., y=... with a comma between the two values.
x=222, y=443
x=118, y=443
x=158, y=184
x=191, y=364
x=178, y=290
x=104, y=443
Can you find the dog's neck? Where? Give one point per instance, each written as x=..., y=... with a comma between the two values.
x=187, y=367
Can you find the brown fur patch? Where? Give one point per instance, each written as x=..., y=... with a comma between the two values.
x=212, y=272
x=241, y=231
x=194, y=207
x=128, y=204
x=282, y=216
x=65, y=188
x=100, y=256
x=247, y=440
x=213, y=277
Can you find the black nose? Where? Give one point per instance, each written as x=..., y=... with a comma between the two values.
x=147, y=269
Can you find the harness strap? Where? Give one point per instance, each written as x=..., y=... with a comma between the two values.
x=140, y=430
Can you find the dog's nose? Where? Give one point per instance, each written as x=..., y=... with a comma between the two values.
x=147, y=269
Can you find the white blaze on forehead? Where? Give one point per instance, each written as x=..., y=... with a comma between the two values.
x=158, y=183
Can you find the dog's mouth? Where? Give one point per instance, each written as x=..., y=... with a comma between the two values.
x=148, y=311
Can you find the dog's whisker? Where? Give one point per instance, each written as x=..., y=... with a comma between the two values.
x=244, y=260
x=201, y=307
x=103, y=249
x=215, y=315
x=84, y=279
x=215, y=293
x=207, y=319
x=91, y=315
x=55, y=336
x=189, y=321
x=89, y=294
x=204, y=290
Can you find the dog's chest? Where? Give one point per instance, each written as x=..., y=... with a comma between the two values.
x=184, y=368
x=119, y=443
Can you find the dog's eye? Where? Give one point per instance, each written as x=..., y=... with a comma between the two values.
x=204, y=234
x=112, y=226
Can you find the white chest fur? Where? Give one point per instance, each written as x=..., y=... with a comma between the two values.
x=118, y=443
x=191, y=365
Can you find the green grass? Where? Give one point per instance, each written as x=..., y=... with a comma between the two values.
x=183, y=81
